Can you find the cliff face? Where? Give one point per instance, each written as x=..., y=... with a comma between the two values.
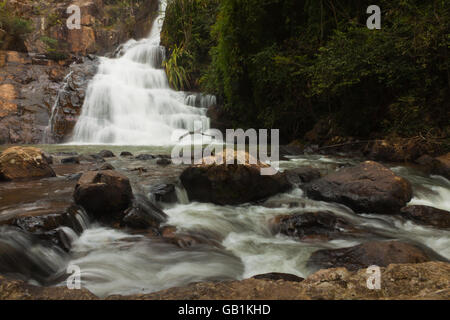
x=38, y=51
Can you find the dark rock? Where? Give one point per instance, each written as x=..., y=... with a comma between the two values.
x=370, y=253
x=302, y=175
x=106, y=154
x=104, y=194
x=367, y=188
x=74, y=176
x=231, y=184
x=107, y=166
x=72, y=160
x=425, y=160
x=126, y=154
x=91, y=158
x=163, y=162
x=143, y=214
x=145, y=157
x=441, y=166
x=278, y=276
x=322, y=226
x=18, y=163
x=427, y=216
x=164, y=193
x=399, y=150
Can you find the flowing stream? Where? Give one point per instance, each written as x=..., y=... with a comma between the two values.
x=130, y=103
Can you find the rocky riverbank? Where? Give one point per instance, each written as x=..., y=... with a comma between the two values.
x=399, y=282
x=49, y=200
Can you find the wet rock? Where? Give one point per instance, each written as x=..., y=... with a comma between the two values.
x=278, y=276
x=164, y=193
x=399, y=281
x=441, y=166
x=163, y=162
x=367, y=188
x=231, y=184
x=106, y=166
x=17, y=163
x=106, y=154
x=302, y=175
x=309, y=226
x=143, y=214
x=426, y=215
x=91, y=158
x=186, y=240
x=376, y=253
x=145, y=157
x=104, y=194
x=126, y=154
x=71, y=160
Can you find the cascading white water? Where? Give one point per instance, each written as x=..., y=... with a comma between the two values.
x=129, y=101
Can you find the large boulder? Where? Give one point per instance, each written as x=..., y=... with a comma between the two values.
x=18, y=163
x=314, y=226
x=426, y=215
x=367, y=188
x=378, y=253
x=104, y=194
x=231, y=184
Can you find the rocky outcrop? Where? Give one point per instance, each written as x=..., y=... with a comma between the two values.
x=18, y=163
x=314, y=226
x=426, y=215
x=35, y=91
x=104, y=194
x=378, y=253
x=367, y=188
x=429, y=280
x=231, y=184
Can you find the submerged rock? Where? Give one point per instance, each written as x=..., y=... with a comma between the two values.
x=106, y=154
x=143, y=214
x=163, y=162
x=72, y=160
x=164, y=193
x=367, y=188
x=302, y=175
x=145, y=157
x=426, y=215
x=378, y=253
x=20, y=163
x=103, y=194
x=322, y=226
x=231, y=184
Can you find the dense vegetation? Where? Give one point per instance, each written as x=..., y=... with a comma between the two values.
x=289, y=64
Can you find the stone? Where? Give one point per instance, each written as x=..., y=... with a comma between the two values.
x=231, y=184
x=323, y=226
x=104, y=194
x=21, y=163
x=302, y=175
x=164, y=193
x=278, y=276
x=71, y=160
x=378, y=253
x=367, y=188
x=106, y=154
x=143, y=214
x=426, y=215
x=126, y=154
x=441, y=166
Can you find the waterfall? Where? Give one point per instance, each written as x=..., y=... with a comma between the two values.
x=130, y=102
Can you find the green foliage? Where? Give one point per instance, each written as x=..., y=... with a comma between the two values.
x=54, y=49
x=177, y=75
x=289, y=63
x=13, y=25
x=186, y=29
